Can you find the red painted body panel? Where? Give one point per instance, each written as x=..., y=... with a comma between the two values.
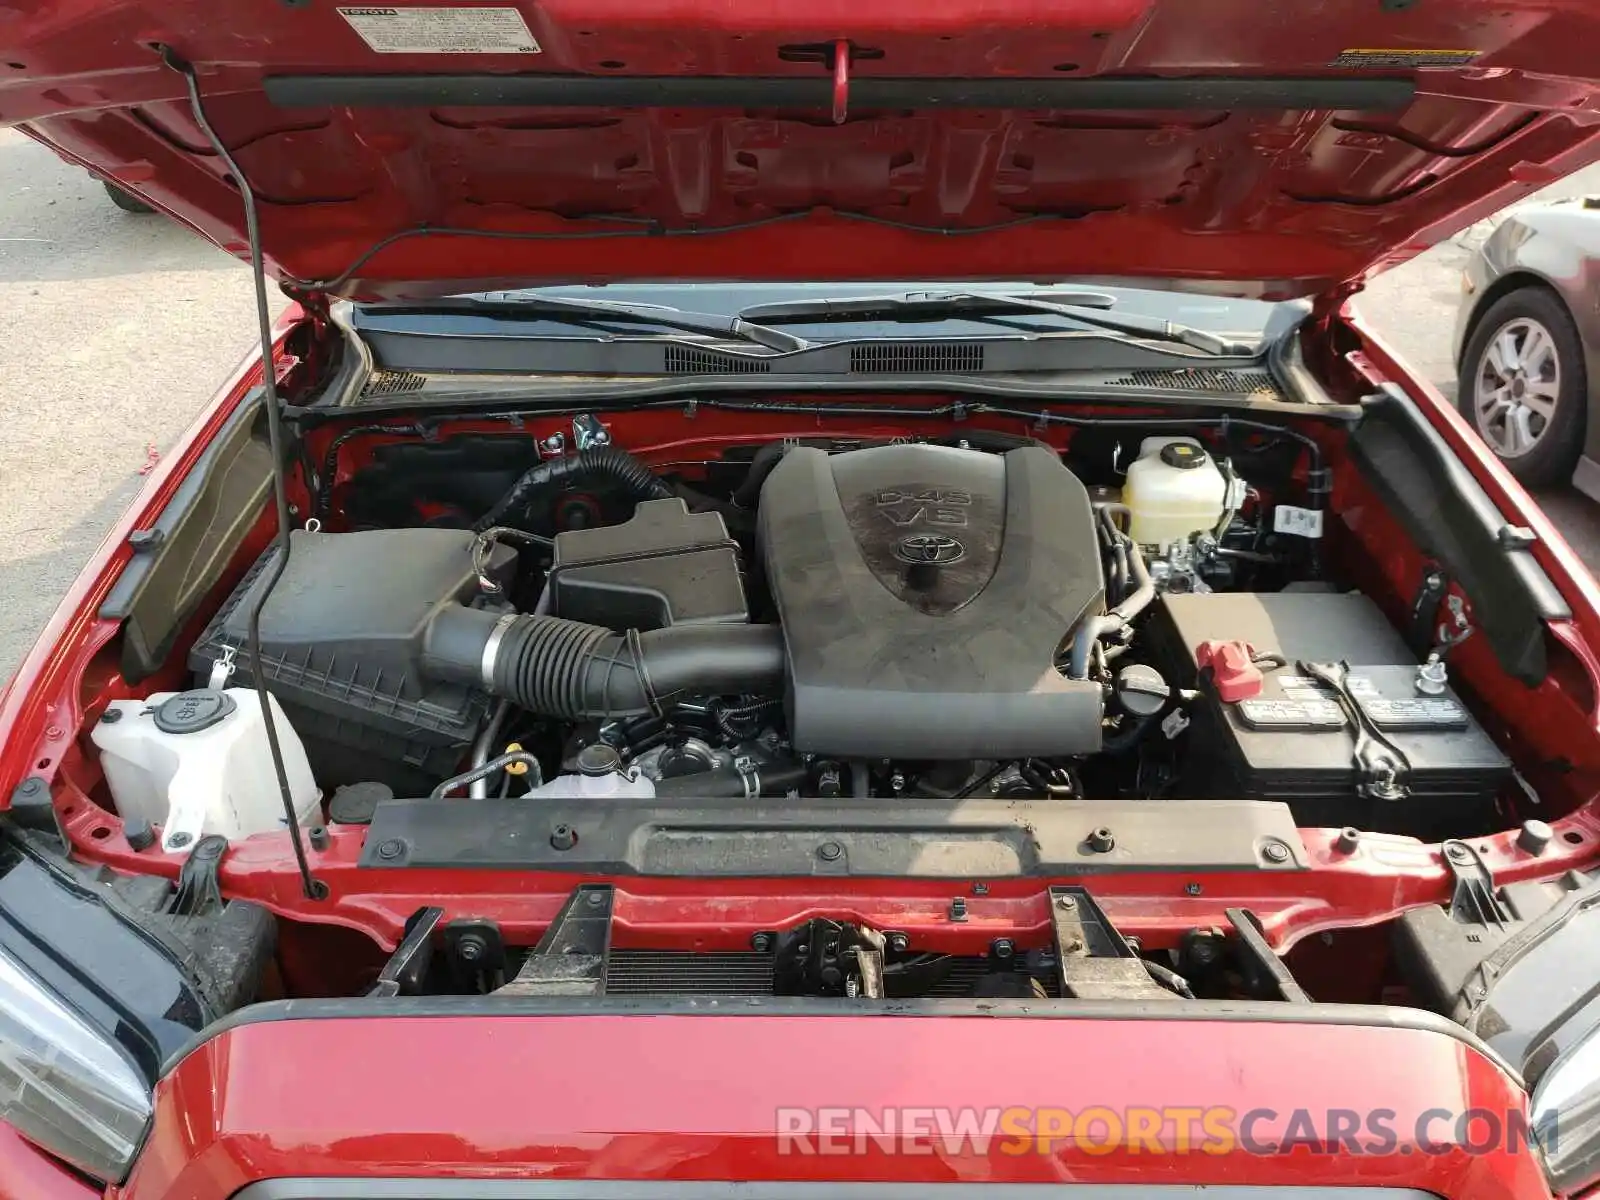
x=1270, y=200
x=29, y=1174
x=695, y=1097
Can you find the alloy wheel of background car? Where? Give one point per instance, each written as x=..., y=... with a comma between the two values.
x=1523, y=386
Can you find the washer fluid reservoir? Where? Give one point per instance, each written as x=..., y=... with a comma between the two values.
x=197, y=763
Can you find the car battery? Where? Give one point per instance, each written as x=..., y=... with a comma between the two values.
x=1325, y=746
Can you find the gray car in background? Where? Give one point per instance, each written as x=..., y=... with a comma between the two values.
x=1527, y=343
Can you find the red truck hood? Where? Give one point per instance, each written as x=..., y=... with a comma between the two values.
x=733, y=1091
x=1273, y=149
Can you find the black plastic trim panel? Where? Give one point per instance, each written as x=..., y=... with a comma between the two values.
x=816, y=91
x=183, y=554
x=111, y=963
x=954, y=839
x=1453, y=520
x=501, y=345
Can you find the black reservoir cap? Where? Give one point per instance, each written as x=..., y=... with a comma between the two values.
x=190, y=712
x=355, y=803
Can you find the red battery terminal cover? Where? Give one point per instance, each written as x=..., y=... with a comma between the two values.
x=1234, y=673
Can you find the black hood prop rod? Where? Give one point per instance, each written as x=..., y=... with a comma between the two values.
x=314, y=890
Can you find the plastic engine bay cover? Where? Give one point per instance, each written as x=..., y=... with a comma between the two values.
x=925, y=593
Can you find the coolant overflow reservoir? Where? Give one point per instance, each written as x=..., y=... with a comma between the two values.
x=197, y=763
x=600, y=776
x=1173, y=491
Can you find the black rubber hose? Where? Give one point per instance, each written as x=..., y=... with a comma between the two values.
x=770, y=779
x=748, y=493
x=561, y=668
x=604, y=464
x=1123, y=612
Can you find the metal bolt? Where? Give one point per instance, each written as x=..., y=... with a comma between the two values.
x=1192, y=889
x=1102, y=841
x=829, y=851
x=317, y=835
x=1349, y=838
x=139, y=833
x=563, y=837
x=958, y=909
x=1002, y=948
x=898, y=942
x=1456, y=852
x=52, y=732
x=897, y=782
x=470, y=949
x=596, y=899
x=179, y=840
x=980, y=889
x=391, y=848
x=1275, y=852
x=1066, y=902
x=761, y=943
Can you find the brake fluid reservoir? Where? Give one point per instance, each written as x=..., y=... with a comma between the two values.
x=197, y=763
x=1173, y=491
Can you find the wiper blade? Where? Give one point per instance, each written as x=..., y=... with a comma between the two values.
x=927, y=305
x=656, y=314
x=1084, y=307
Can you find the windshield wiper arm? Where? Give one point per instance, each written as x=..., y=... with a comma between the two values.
x=1085, y=307
x=928, y=305
x=657, y=314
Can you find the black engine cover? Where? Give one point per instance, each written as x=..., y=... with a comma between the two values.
x=925, y=593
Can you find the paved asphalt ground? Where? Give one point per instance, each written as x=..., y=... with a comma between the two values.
x=115, y=329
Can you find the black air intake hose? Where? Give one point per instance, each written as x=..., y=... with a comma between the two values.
x=569, y=669
x=604, y=465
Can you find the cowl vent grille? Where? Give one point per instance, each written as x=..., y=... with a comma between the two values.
x=894, y=358
x=1202, y=379
x=691, y=360
x=392, y=383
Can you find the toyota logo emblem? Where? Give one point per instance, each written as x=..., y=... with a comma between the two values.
x=929, y=549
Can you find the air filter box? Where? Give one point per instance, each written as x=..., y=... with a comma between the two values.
x=341, y=648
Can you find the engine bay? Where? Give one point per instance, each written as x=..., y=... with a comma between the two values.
x=866, y=620
x=542, y=679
